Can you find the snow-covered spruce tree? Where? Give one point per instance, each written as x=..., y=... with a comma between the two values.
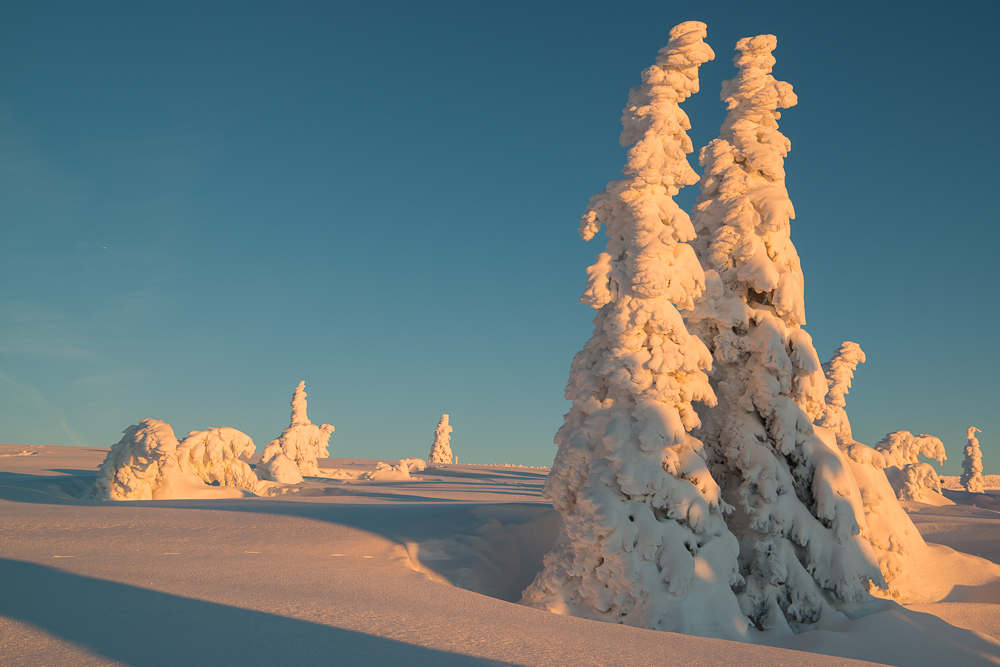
x=643, y=540
x=972, y=466
x=839, y=372
x=886, y=526
x=799, y=515
x=138, y=463
x=441, y=447
x=294, y=453
x=215, y=455
x=911, y=478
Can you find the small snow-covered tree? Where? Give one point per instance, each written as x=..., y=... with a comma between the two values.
x=799, y=512
x=886, y=526
x=294, y=453
x=441, y=447
x=137, y=464
x=215, y=456
x=972, y=466
x=839, y=372
x=911, y=478
x=643, y=540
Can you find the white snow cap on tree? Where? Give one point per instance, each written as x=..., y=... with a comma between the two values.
x=149, y=464
x=911, y=478
x=799, y=513
x=972, y=466
x=441, y=447
x=643, y=540
x=294, y=453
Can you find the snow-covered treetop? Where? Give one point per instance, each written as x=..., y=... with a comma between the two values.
x=744, y=209
x=971, y=434
x=299, y=405
x=648, y=272
x=902, y=448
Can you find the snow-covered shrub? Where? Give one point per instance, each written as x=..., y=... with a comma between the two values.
x=134, y=467
x=643, y=540
x=911, y=478
x=387, y=472
x=441, y=447
x=799, y=512
x=972, y=466
x=294, y=453
x=215, y=456
x=414, y=464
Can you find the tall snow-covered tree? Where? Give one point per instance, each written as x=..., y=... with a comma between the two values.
x=799, y=515
x=644, y=540
x=441, y=447
x=294, y=452
x=972, y=466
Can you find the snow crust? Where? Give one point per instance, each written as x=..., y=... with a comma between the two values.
x=643, y=540
x=799, y=513
x=441, y=447
x=972, y=465
x=293, y=454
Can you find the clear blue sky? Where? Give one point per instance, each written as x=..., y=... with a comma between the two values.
x=203, y=203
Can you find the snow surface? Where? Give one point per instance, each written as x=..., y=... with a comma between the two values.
x=418, y=572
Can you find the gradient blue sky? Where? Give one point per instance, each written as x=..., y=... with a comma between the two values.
x=203, y=203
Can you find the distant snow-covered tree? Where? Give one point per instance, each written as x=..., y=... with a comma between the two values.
x=886, y=526
x=294, y=453
x=644, y=540
x=972, y=466
x=799, y=513
x=911, y=478
x=839, y=372
x=216, y=457
x=441, y=447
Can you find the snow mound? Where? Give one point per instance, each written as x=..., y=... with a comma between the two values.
x=386, y=472
x=414, y=464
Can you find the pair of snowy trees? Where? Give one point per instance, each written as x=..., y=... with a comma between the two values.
x=758, y=519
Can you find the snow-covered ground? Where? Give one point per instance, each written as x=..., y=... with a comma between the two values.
x=427, y=570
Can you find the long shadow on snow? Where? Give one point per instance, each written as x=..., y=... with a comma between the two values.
x=494, y=549
x=144, y=628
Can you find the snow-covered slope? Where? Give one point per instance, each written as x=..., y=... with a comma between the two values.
x=411, y=572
